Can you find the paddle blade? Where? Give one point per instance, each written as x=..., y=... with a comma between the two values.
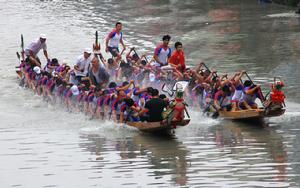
x=215, y=115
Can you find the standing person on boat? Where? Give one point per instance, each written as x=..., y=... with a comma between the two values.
x=177, y=58
x=112, y=41
x=98, y=74
x=154, y=108
x=162, y=52
x=82, y=64
x=35, y=46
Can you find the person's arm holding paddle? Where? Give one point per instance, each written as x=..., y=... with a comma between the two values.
x=124, y=88
x=216, y=102
x=212, y=74
x=253, y=90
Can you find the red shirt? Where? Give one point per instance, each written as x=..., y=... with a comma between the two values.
x=177, y=58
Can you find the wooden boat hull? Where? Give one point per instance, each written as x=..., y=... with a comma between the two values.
x=162, y=126
x=250, y=114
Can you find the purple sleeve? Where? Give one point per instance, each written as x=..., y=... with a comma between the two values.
x=157, y=50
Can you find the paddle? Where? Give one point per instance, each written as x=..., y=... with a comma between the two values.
x=18, y=55
x=133, y=49
x=206, y=67
x=216, y=114
x=22, y=48
x=139, y=56
x=187, y=113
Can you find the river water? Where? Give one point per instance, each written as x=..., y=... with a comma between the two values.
x=43, y=145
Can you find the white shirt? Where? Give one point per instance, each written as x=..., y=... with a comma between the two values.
x=35, y=46
x=114, y=39
x=163, y=54
x=83, y=64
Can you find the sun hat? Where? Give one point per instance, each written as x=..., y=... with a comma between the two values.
x=43, y=36
x=88, y=50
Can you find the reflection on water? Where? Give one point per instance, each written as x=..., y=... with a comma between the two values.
x=263, y=143
x=231, y=153
x=163, y=156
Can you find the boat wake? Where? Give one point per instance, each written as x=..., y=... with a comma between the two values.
x=108, y=129
x=284, y=15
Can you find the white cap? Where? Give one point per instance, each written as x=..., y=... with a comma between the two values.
x=37, y=70
x=54, y=74
x=74, y=90
x=43, y=36
x=88, y=50
x=152, y=77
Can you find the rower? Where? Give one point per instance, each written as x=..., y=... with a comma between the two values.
x=237, y=96
x=35, y=46
x=222, y=99
x=98, y=74
x=129, y=111
x=162, y=52
x=250, y=93
x=51, y=65
x=112, y=41
x=154, y=108
x=82, y=64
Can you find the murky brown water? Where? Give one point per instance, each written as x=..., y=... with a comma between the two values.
x=45, y=146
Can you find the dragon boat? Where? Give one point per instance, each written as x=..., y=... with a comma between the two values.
x=273, y=106
x=161, y=126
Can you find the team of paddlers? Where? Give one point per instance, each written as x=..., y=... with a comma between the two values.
x=126, y=90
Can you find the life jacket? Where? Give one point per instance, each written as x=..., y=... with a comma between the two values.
x=179, y=109
x=277, y=96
